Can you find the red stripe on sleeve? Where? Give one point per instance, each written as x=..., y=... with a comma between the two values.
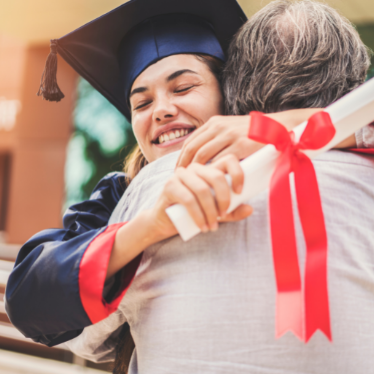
x=92, y=274
x=369, y=151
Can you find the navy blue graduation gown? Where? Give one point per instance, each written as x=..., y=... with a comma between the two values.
x=56, y=287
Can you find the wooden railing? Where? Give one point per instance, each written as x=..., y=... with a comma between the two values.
x=12, y=363
x=12, y=339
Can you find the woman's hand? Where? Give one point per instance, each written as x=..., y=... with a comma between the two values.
x=202, y=189
x=223, y=135
x=204, y=192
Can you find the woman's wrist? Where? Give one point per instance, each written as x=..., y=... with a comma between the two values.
x=350, y=142
x=145, y=230
x=151, y=230
x=294, y=117
x=131, y=240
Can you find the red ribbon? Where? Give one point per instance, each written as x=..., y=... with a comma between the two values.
x=298, y=311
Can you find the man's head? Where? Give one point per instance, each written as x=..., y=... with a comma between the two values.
x=301, y=54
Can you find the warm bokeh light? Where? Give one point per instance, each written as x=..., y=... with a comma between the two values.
x=37, y=21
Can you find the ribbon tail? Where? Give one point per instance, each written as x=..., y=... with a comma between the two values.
x=317, y=313
x=289, y=313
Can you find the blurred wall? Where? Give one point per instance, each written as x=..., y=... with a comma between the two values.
x=33, y=139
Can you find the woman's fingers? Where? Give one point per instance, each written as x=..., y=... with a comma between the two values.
x=205, y=192
x=231, y=166
x=201, y=189
x=194, y=143
x=241, y=149
x=211, y=149
x=241, y=212
x=218, y=133
x=177, y=193
x=218, y=185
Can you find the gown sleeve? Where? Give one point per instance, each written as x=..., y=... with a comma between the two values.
x=56, y=287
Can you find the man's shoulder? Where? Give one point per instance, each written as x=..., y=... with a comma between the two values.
x=345, y=157
x=116, y=181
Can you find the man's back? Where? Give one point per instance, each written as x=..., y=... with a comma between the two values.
x=208, y=305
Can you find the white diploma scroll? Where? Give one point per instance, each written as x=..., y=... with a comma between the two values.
x=348, y=114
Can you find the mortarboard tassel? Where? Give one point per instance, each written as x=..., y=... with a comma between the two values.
x=49, y=88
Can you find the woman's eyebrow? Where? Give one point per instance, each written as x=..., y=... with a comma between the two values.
x=138, y=90
x=179, y=73
x=175, y=75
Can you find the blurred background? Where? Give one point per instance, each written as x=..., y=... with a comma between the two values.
x=52, y=155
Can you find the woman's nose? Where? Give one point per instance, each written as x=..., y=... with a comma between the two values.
x=164, y=110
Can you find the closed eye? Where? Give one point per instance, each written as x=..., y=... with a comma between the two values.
x=142, y=105
x=184, y=89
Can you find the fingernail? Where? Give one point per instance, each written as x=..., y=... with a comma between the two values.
x=238, y=190
x=205, y=228
x=214, y=226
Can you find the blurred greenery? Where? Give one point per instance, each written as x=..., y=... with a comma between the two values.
x=101, y=141
x=103, y=138
x=367, y=35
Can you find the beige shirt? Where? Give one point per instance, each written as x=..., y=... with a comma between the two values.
x=208, y=305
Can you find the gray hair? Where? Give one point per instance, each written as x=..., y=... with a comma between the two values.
x=301, y=54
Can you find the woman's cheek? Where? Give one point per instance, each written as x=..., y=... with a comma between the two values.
x=139, y=127
x=195, y=106
x=142, y=128
x=206, y=105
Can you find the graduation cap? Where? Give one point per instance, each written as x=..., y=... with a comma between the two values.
x=112, y=50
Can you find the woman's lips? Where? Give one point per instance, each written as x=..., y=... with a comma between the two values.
x=172, y=142
x=172, y=126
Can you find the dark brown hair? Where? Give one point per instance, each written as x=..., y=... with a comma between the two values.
x=124, y=348
x=293, y=54
x=135, y=161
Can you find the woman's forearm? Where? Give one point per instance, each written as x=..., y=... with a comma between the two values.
x=192, y=187
x=131, y=240
x=293, y=117
x=350, y=142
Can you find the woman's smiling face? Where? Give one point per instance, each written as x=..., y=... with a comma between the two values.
x=169, y=100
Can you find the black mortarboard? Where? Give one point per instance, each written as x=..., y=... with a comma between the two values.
x=112, y=50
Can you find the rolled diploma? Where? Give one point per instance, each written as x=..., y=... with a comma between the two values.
x=350, y=113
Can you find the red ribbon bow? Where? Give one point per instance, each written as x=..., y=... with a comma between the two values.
x=302, y=313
